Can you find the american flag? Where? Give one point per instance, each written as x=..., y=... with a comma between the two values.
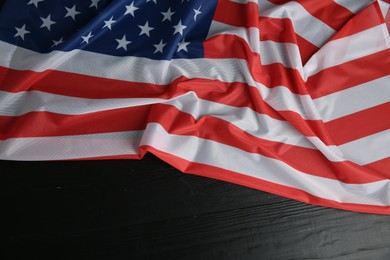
x=289, y=97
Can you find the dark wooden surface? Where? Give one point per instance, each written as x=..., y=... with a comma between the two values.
x=128, y=209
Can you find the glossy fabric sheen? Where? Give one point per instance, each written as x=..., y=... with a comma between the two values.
x=289, y=97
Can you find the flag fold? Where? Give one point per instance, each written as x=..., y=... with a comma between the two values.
x=288, y=97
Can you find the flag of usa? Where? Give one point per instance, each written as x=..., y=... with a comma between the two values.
x=286, y=96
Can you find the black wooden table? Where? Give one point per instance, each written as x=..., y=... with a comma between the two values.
x=128, y=209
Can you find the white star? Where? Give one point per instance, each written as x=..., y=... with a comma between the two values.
x=145, y=29
x=130, y=9
x=86, y=38
x=35, y=2
x=47, y=22
x=21, y=31
x=72, y=12
x=159, y=47
x=197, y=12
x=122, y=43
x=108, y=23
x=154, y=1
x=94, y=3
x=55, y=43
x=183, y=46
x=179, y=28
x=167, y=15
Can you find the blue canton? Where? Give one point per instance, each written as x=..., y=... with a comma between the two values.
x=155, y=29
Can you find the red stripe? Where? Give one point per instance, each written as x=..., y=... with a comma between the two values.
x=327, y=11
x=221, y=46
x=42, y=124
x=274, y=75
x=277, y=75
x=276, y=29
x=306, y=49
x=387, y=21
x=3, y=74
x=209, y=127
x=271, y=75
x=349, y=74
x=367, y=18
x=69, y=84
x=215, y=47
x=233, y=94
x=237, y=95
x=256, y=183
x=361, y=124
x=75, y=84
x=380, y=166
x=308, y=127
x=236, y=14
x=282, y=30
x=230, y=46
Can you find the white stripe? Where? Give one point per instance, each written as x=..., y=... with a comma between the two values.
x=16, y=104
x=369, y=149
x=259, y=125
x=284, y=53
x=233, y=159
x=256, y=124
x=70, y=147
x=384, y=7
x=196, y=150
x=270, y=52
x=265, y=6
x=7, y=53
x=354, y=5
x=305, y=25
x=346, y=49
x=244, y=1
x=133, y=69
x=250, y=35
x=281, y=99
x=355, y=99
x=136, y=69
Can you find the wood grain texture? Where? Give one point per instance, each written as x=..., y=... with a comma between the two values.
x=146, y=209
